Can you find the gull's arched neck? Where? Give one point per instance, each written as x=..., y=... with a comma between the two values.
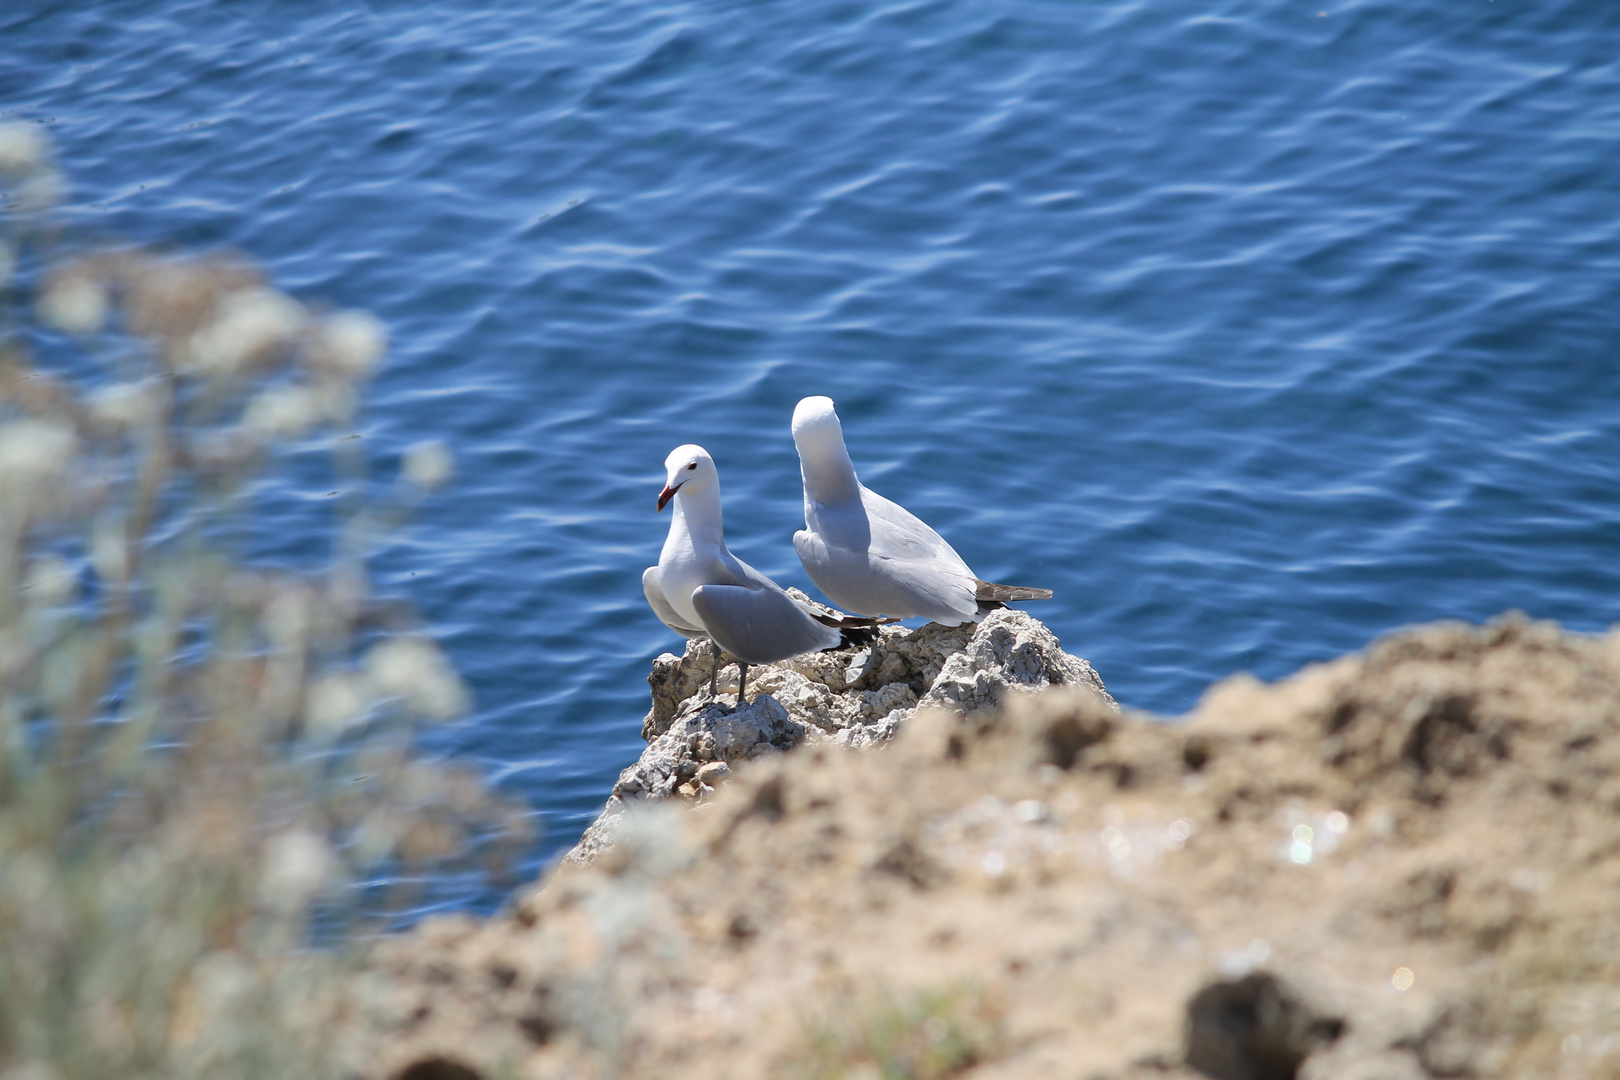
x=829, y=474
x=699, y=512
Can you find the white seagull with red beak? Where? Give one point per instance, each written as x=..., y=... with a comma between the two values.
x=700, y=589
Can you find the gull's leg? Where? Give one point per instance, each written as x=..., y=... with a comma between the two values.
x=714, y=670
x=742, y=682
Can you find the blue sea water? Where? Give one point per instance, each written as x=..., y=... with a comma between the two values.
x=1253, y=328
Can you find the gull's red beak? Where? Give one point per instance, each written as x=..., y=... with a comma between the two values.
x=667, y=494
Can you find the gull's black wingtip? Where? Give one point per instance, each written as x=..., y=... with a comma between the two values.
x=856, y=636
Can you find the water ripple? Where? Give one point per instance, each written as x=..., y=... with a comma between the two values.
x=1252, y=331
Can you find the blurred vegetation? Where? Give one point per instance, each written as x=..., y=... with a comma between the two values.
x=927, y=1036
x=200, y=758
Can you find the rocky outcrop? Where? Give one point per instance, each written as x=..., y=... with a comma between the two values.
x=850, y=697
x=1398, y=866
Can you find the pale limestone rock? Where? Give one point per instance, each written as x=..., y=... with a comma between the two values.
x=713, y=773
x=856, y=697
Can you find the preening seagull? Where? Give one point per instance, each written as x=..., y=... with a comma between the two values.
x=869, y=555
x=700, y=589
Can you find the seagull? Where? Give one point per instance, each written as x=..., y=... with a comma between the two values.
x=872, y=556
x=700, y=589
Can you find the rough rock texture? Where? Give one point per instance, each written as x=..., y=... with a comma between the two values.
x=1401, y=865
x=851, y=697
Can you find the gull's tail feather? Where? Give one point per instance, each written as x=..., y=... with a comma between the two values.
x=1001, y=594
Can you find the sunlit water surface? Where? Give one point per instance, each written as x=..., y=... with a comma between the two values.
x=1254, y=328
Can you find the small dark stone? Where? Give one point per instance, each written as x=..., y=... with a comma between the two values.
x=438, y=1068
x=1440, y=739
x=1067, y=737
x=770, y=800
x=742, y=928
x=1195, y=753
x=539, y=1021
x=1254, y=1028
x=537, y=1027
x=906, y=860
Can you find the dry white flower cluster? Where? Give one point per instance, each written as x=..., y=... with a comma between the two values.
x=195, y=754
x=36, y=455
x=31, y=179
x=215, y=322
x=29, y=185
x=428, y=465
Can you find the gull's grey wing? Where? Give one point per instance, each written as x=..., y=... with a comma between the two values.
x=759, y=625
x=918, y=558
x=899, y=534
x=873, y=582
x=815, y=558
x=845, y=576
x=899, y=566
x=654, y=589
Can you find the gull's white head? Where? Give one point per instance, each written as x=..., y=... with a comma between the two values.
x=829, y=475
x=688, y=468
x=815, y=424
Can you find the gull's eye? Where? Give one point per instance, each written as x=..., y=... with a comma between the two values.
x=692, y=466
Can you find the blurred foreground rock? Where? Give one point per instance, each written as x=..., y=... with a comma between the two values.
x=850, y=697
x=1403, y=864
